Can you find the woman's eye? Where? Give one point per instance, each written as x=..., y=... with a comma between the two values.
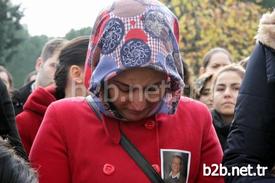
x=152, y=88
x=215, y=66
x=220, y=89
x=123, y=88
x=205, y=93
x=236, y=88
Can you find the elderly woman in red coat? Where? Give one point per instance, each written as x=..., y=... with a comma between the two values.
x=135, y=76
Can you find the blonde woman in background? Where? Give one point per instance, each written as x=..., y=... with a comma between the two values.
x=226, y=85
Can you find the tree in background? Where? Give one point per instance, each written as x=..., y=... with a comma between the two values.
x=10, y=16
x=269, y=4
x=81, y=32
x=23, y=60
x=205, y=24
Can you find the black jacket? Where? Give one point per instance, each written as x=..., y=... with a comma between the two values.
x=8, y=128
x=252, y=136
x=222, y=129
x=20, y=96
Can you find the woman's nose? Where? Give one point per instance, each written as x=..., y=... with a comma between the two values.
x=138, y=102
x=227, y=92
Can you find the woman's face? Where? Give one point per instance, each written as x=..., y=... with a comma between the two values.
x=5, y=79
x=136, y=92
x=206, y=96
x=225, y=93
x=217, y=61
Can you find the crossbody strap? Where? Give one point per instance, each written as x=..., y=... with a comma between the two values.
x=132, y=151
x=143, y=164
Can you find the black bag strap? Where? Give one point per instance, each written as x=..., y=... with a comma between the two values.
x=143, y=164
x=132, y=151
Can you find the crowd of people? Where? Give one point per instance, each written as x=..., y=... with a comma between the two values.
x=120, y=105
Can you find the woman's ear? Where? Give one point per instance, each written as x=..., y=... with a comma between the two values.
x=39, y=62
x=76, y=74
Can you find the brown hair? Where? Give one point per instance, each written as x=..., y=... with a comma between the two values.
x=212, y=52
x=232, y=67
x=51, y=47
x=200, y=84
x=73, y=53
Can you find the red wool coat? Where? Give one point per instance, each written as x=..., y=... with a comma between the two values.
x=72, y=145
x=29, y=120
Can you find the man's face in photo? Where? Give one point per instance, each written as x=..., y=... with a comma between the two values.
x=176, y=165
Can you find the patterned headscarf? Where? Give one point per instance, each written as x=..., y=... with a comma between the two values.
x=134, y=34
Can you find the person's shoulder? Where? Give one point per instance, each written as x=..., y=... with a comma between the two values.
x=192, y=105
x=194, y=112
x=70, y=101
x=74, y=109
x=48, y=93
x=67, y=104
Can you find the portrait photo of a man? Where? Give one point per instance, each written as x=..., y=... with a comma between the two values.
x=175, y=165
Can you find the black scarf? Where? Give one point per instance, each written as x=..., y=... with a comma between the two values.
x=221, y=127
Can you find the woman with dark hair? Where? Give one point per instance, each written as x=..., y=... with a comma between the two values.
x=203, y=86
x=14, y=169
x=68, y=83
x=8, y=130
x=6, y=77
x=70, y=70
x=135, y=109
x=214, y=59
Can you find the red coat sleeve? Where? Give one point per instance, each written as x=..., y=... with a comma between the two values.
x=211, y=153
x=49, y=153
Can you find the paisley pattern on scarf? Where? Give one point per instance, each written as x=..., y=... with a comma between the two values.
x=123, y=38
x=112, y=36
x=154, y=24
x=135, y=53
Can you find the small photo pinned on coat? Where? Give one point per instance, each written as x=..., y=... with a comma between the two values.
x=175, y=165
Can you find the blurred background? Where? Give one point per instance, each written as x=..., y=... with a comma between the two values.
x=204, y=24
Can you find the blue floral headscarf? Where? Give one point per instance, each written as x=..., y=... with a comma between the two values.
x=134, y=34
